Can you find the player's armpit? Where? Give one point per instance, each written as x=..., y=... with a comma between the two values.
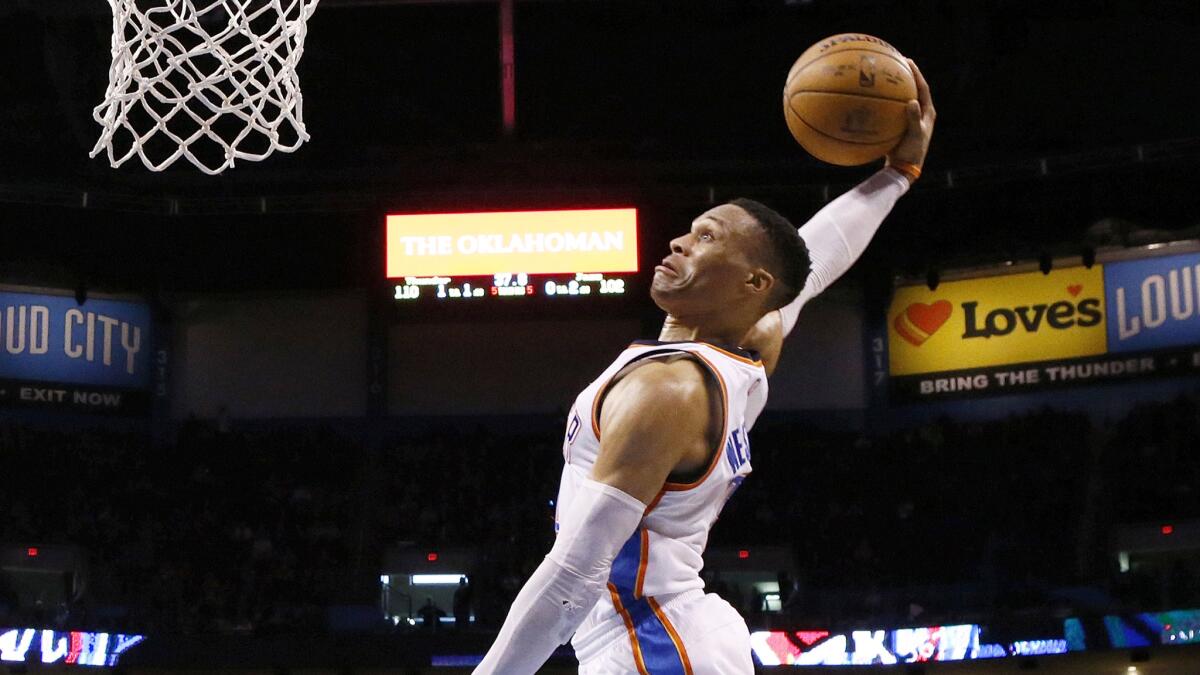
x=655, y=421
x=766, y=338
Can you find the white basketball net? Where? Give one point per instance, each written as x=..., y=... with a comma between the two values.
x=213, y=81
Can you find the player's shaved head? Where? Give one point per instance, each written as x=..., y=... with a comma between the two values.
x=740, y=260
x=784, y=253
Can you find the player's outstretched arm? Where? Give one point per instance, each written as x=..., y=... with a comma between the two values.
x=836, y=236
x=839, y=233
x=639, y=447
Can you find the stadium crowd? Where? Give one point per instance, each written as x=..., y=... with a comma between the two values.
x=262, y=528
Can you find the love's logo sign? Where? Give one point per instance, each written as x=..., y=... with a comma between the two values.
x=919, y=321
x=981, y=322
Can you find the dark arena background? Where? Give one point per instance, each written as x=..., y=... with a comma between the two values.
x=251, y=423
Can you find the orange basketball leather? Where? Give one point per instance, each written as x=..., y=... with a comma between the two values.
x=845, y=96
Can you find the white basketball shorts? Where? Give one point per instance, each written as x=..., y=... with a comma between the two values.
x=690, y=633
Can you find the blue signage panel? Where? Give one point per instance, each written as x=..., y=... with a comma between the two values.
x=1153, y=303
x=51, y=338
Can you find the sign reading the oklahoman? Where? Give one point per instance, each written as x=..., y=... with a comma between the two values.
x=531, y=242
x=1017, y=332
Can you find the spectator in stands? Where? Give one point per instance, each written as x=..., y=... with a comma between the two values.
x=251, y=530
x=462, y=604
x=431, y=615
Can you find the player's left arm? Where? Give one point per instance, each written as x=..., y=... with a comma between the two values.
x=839, y=233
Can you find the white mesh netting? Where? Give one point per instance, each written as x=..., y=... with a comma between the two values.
x=213, y=81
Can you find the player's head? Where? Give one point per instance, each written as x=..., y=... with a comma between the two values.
x=738, y=257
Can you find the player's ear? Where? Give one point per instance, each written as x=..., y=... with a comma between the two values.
x=760, y=281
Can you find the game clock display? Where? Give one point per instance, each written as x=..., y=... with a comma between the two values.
x=508, y=286
x=463, y=257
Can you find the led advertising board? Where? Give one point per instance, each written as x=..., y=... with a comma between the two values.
x=1016, y=332
x=1154, y=303
x=511, y=254
x=56, y=352
x=76, y=648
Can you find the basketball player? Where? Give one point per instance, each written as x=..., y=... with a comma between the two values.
x=657, y=444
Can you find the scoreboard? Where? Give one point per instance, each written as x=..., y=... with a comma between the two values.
x=504, y=256
x=507, y=285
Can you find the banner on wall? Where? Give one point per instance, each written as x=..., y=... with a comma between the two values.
x=1019, y=332
x=77, y=648
x=1142, y=629
x=885, y=647
x=1155, y=303
x=54, y=352
x=530, y=242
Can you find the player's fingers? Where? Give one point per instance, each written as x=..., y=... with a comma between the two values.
x=923, y=94
x=913, y=111
x=918, y=76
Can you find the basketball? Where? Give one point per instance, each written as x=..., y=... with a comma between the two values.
x=845, y=98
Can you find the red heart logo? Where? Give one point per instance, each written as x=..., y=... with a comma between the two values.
x=918, y=322
x=1074, y=289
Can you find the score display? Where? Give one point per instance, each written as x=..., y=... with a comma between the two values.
x=511, y=254
x=507, y=285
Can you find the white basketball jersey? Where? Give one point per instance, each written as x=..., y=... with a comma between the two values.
x=664, y=555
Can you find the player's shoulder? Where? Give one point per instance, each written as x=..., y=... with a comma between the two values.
x=659, y=401
x=677, y=381
x=765, y=340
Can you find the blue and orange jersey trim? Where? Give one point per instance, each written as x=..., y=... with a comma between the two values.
x=657, y=647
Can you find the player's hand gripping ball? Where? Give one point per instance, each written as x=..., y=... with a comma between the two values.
x=846, y=99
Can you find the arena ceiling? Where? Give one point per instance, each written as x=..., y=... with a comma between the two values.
x=618, y=90
x=1060, y=111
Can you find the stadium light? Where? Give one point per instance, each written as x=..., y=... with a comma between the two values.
x=436, y=579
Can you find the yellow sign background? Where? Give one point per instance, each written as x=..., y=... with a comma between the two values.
x=405, y=258
x=946, y=349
